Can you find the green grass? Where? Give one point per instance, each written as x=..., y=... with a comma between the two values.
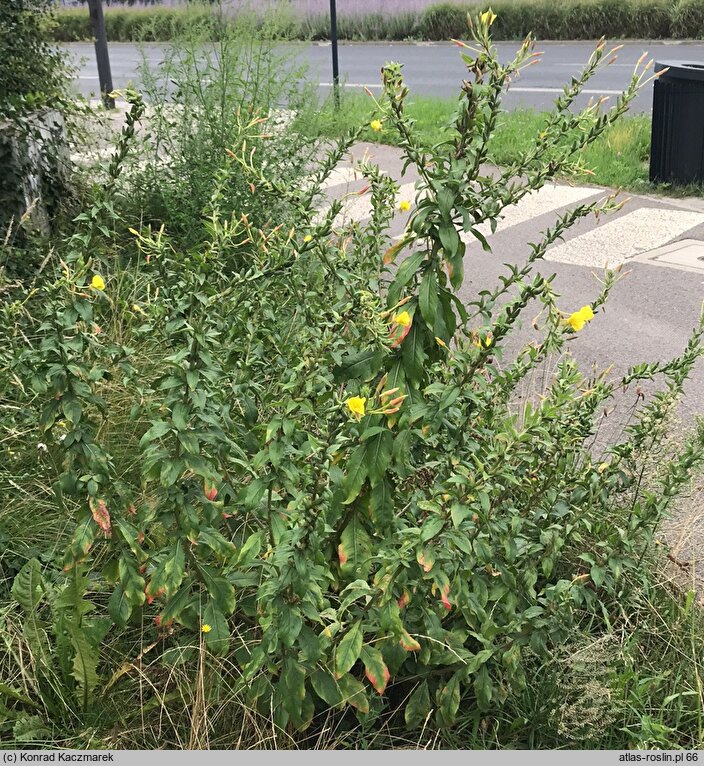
x=619, y=159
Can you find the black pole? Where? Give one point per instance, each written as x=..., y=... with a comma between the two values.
x=335, y=65
x=97, y=25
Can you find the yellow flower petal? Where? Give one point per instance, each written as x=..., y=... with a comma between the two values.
x=376, y=125
x=403, y=319
x=205, y=628
x=404, y=205
x=586, y=313
x=356, y=405
x=308, y=238
x=488, y=17
x=576, y=321
x=97, y=283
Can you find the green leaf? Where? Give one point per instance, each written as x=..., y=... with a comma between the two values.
x=326, y=687
x=375, y=668
x=85, y=663
x=119, y=606
x=448, y=699
x=355, y=550
x=217, y=639
x=289, y=624
x=356, y=473
x=177, y=604
x=413, y=354
x=483, y=688
x=294, y=679
x=353, y=693
x=428, y=300
x=418, y=706
x=348, y=650
x=250, y=550
x=158, y=429
x=455, y=265
x=169, y=573
x=179, y=416
x=404, y=274
x=28, y=587
x=449, y=238
x=363, y=365
x=221, y=591
x=431, y=528
x=381, y=504
x=378, y=455
x=132, y=582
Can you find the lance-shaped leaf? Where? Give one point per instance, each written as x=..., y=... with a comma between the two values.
x=353, y=693
x=168, y=574
x=378, y=455
x=28, y=587
x=356, y=473
x=348, y=650
x=375, y=668
x=215, y=629
x=418, y=706
x=326, y=687
x=448, y=699
x=355, y=550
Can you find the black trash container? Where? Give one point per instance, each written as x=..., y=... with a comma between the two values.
x=677, y=138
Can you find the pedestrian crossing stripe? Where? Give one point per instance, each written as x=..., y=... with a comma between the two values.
x=614, y=242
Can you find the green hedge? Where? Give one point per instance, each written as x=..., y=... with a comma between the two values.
x=546, y=19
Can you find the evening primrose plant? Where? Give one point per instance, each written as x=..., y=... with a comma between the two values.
x=331, y=487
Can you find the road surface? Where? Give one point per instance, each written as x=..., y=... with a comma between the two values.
x=431, y=69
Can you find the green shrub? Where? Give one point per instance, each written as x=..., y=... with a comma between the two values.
x=30, y=68
x=573, y=19
x=270, y=446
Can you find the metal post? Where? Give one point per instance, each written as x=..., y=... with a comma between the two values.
x=97, y=25
x=335, y=65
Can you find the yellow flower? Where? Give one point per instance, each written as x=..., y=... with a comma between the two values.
x=578, y=319
x=587, y=313
x=376, y=125
x=403, y=319
x=308, y=238
x=356, y=406
x=97, y=283
x=205, y=628
x=488, y=17
x=404, y=205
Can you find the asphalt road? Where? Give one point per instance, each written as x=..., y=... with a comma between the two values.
x=432, y=69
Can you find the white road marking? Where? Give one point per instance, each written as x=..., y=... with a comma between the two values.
x=353, y=85
x=588, y=91
x=616, y=241
x=341, y=176
x=535, y=204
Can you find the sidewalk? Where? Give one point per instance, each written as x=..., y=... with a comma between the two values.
x=650, y=314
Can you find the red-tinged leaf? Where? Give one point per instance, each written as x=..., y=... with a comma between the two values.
x=375, y=668
x=101, y=516
x=408, y=642
x=353, y=693
x=355, y=551
x=393, y=251
x=404, y=600
x=443, y=597
x=426, y=559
